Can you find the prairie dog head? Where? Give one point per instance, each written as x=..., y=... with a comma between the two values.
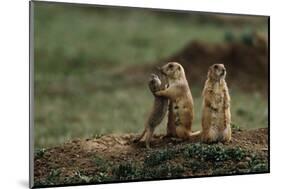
x=154, y=83
x=173, y=71
x=216, y=72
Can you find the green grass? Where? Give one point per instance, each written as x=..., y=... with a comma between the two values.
x=79, y=52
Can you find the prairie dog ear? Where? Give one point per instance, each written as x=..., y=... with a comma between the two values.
x=179, y=70
x=179, y=67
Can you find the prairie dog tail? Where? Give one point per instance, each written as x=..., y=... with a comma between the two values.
x=195, y=136
x=184, y=134
x=195, y=133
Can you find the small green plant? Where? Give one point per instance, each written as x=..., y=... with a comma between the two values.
x=235, y=153
x=124, y=171
x=258, y=164
x=78, y=177
x=259, y=168
x=102, y=164
x=235, y=126
x=53, y=177
x=83, y=178
x=39, y=153
x=158, y=157
x=206, y=152
x=97, y=136
x=98, y=160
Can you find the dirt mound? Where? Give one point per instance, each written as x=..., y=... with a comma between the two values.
x=115, y=157
x=247, y=64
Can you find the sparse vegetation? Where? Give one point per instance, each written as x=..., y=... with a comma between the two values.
x=179, y=160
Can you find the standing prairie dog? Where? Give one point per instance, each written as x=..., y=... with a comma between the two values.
x=181, y=102
x=158, y=112
x=216, y=107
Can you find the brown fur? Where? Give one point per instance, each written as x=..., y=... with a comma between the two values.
x=216, y=107
x=171, y=127
x=158, y=111
x=181, y=103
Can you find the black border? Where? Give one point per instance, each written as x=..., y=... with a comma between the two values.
x=31, y=91
x=268, y=92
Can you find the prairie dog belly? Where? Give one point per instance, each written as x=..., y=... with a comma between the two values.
x=160, y=105
x=183, y=116
x=175, y=111
x=159, y=110
x=179, y=111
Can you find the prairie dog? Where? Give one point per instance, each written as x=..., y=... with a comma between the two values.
x=216, y=107
x=181, y=111
x=158, y=112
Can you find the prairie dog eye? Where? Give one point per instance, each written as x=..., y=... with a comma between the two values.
x=170, y=66
x=216, y=67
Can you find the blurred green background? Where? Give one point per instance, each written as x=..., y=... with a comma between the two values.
x=86, y=57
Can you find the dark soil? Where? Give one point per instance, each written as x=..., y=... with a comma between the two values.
x=117, y=158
